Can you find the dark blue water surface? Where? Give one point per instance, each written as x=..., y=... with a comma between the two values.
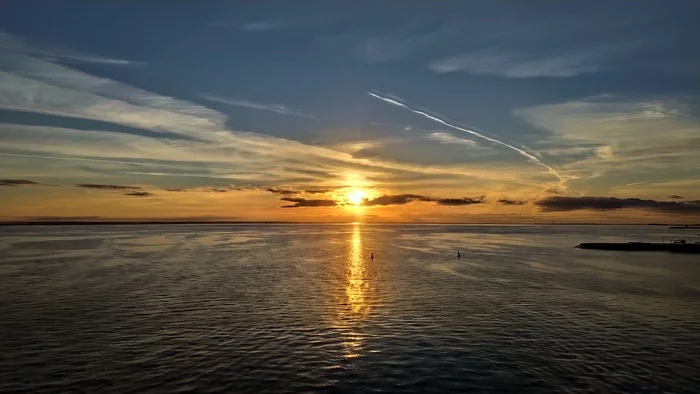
x=303, y=308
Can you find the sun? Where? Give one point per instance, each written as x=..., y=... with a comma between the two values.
x=356, y=196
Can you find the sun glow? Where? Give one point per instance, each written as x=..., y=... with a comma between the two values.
x=356, y=196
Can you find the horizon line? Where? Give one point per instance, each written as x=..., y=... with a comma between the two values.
x=220, y=222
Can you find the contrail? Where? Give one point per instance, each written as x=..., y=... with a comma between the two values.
x=472, y=132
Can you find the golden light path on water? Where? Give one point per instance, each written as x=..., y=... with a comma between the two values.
x=355, y=290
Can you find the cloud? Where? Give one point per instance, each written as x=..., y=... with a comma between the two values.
x=107, y=187
x=453, y=202
x=506, y=201
x=566, y=204
x=259, y=26
x=528, y=155
x=206, y=189
x=302, y=202
x=285, y=192
x=514, y=65
x=17, y=45
x=386, y=200
x=399, y=199
x=139, y=194
x=318, y=191
x=277, y=108
x=675, y=197
x=208, y=148
x=619, y=135
x=604, y=152
x=402, y=199
x=36, y=85
x=17, y=182
x=446, y=138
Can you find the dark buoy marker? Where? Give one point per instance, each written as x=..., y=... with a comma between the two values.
x=371, y=256
x=458, y=255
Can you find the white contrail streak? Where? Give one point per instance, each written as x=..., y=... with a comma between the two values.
x=472, y=132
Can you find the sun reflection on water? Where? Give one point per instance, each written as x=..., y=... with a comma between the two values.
x=356, y=286
x=356, y=292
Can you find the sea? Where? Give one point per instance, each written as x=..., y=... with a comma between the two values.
x=301, y=308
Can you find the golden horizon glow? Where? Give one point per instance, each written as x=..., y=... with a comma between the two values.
x=356, y=196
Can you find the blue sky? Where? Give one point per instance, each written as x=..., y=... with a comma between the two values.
x=521, y=101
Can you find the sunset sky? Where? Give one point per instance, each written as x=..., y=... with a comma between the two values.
x=450, y=111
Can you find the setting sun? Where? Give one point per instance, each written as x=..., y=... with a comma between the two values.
x=356, y=197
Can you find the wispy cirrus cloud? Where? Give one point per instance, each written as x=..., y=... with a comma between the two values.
x=13, y=44
x=447, y=138
x=195, y=141
x=481, y=135
x=277, y=108
x=514, y=65
x=634, y=138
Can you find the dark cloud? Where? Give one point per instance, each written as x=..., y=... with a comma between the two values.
x=17, y=182
x=675, y=197
x=385, y=200
x=198, y=189
x=284, y=192
x=139, y=194
x=399, y=199
x=507, y=201
x=564, y=204
x=107, y=187
x=302, y=202
x=402, y=199
x=318, y=191
x=452, y=202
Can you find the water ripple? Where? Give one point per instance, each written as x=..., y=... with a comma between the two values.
x=287, y=309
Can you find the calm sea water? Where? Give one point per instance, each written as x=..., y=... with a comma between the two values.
x=303, y=308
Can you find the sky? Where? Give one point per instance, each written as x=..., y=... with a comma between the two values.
x=411, y=111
